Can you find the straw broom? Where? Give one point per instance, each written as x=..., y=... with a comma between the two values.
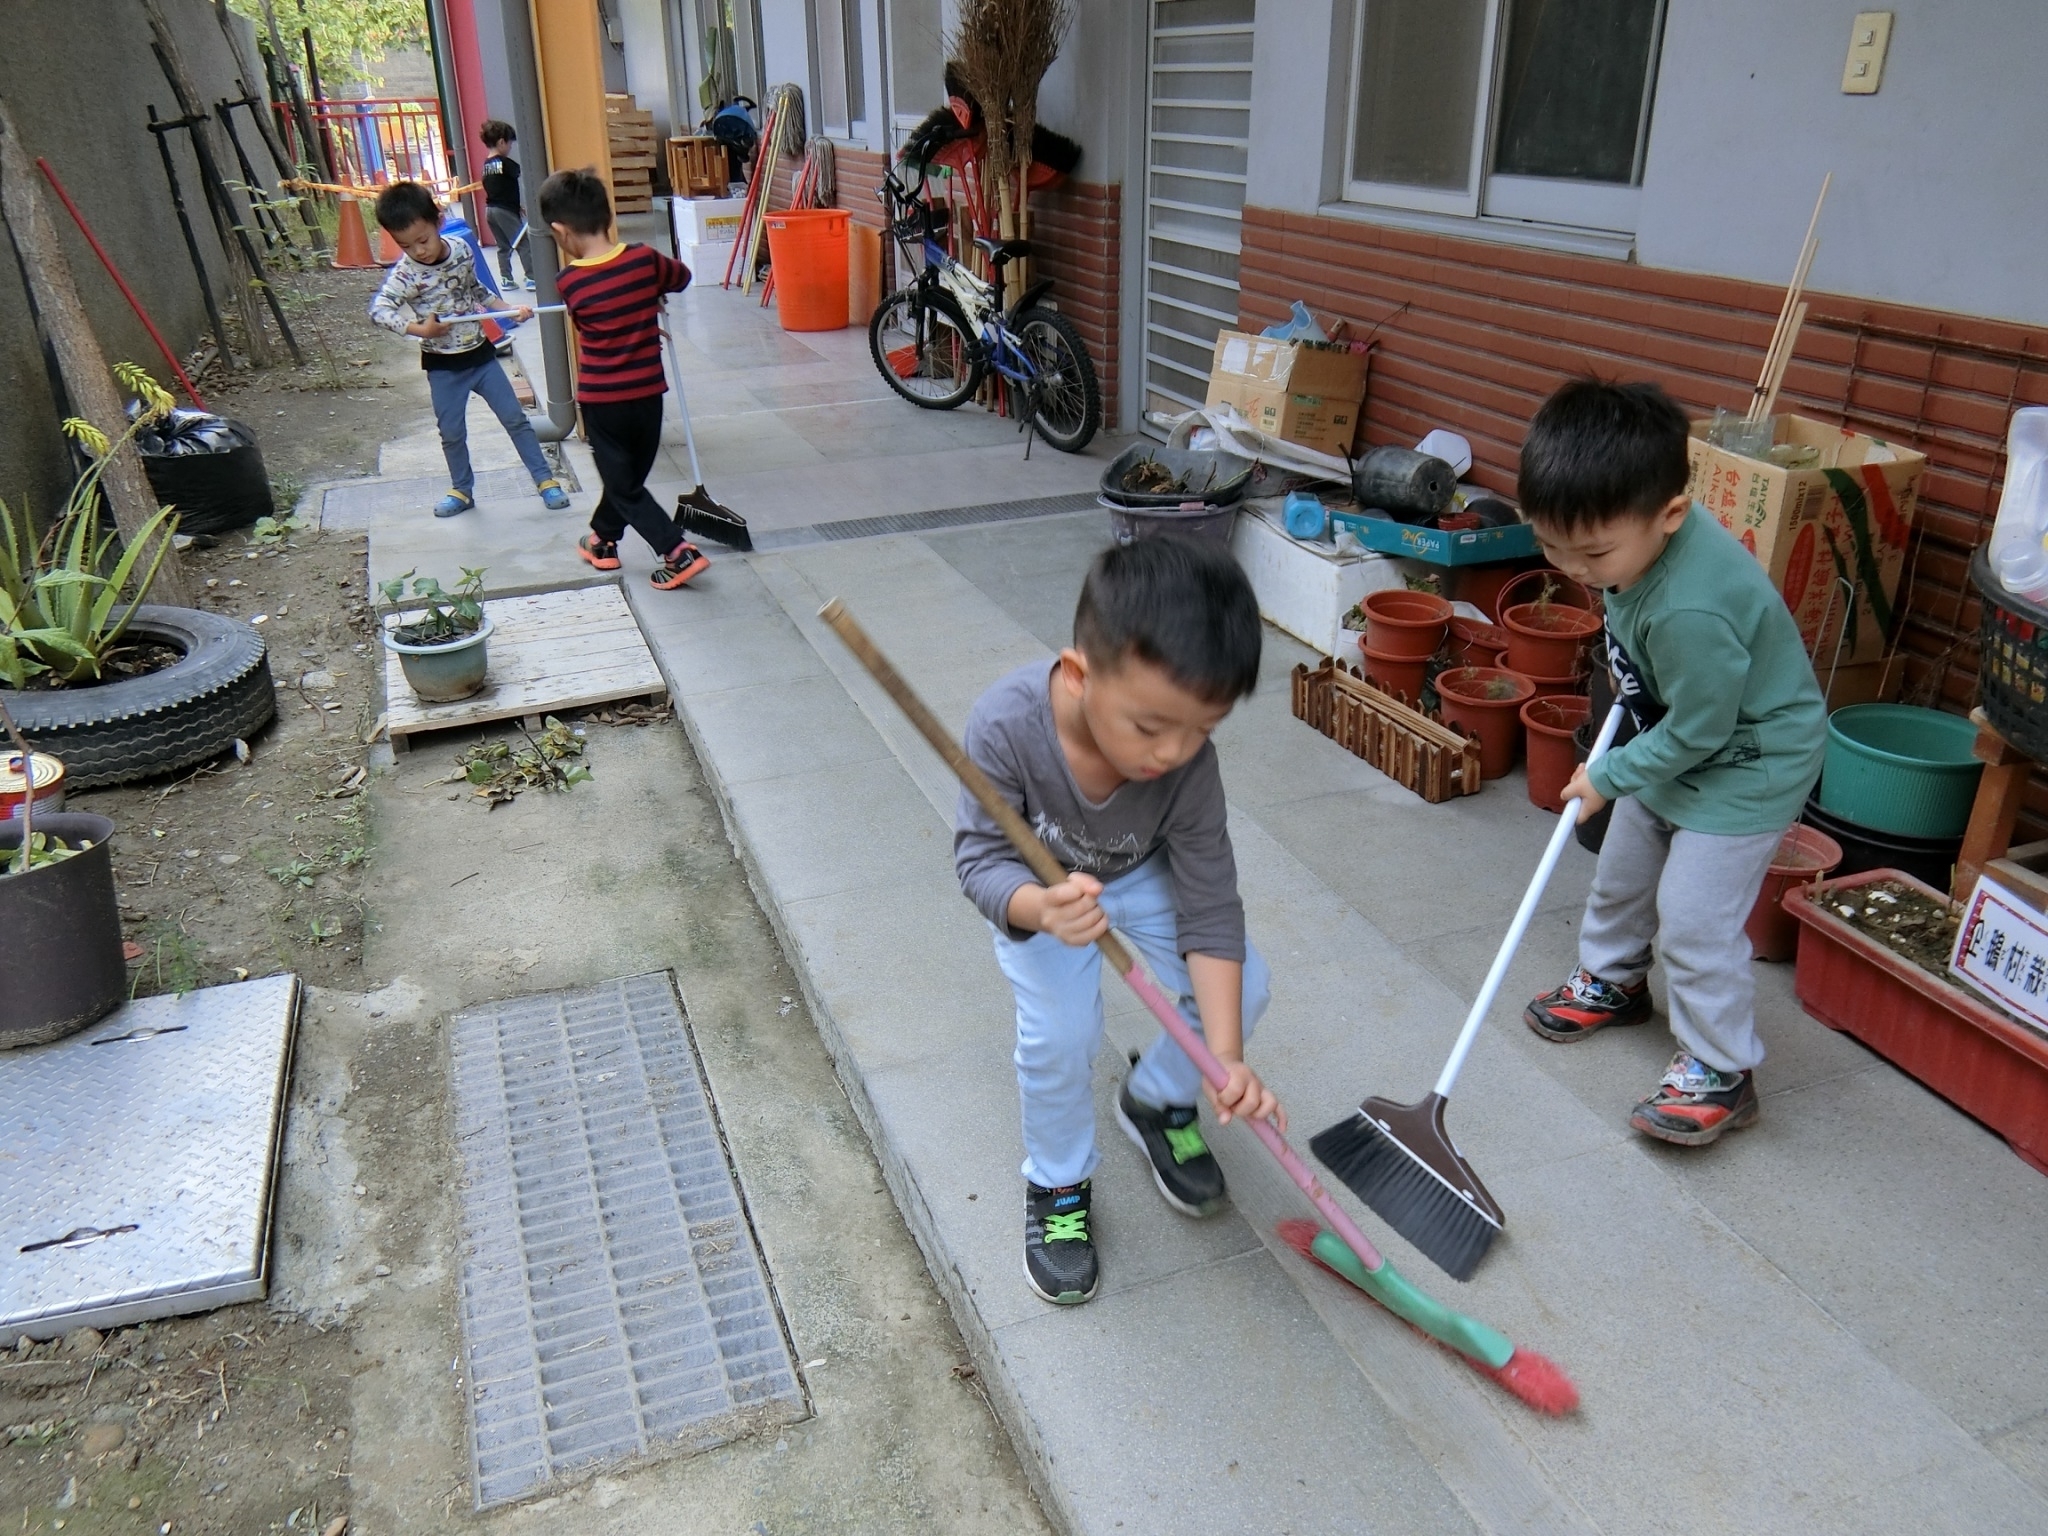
x=1003, y=49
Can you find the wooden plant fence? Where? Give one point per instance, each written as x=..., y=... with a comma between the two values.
x=1416, y=752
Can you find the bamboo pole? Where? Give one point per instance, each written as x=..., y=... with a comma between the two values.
x=83, y=367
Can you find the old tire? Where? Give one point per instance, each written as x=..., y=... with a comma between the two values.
x=140, y=727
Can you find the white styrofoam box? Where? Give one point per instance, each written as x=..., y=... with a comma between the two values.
x=707, y=263
x=705, y=220
x=1303, y=589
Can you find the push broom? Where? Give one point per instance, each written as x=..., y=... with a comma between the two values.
x=697, y=510
x=1398, y=1158
x=1528, y=1375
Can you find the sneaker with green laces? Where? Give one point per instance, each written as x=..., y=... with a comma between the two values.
x=1182, y=1165
x=1059, y=1248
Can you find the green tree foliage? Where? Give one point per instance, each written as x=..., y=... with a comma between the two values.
x=348, y=35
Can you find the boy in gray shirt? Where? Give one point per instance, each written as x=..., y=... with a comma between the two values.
x=1106, y=753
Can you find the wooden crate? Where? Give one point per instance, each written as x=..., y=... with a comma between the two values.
x=698, y=166
x=1416, y=752
x=549, y=651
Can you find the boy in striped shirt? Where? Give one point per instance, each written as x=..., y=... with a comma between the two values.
x=614, y=293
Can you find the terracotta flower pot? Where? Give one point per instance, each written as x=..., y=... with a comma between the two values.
x=1529, y=587
x=1803, y=856
x=1480, y=585
x=1548, y=641
x=1403, y=623
x=1474, y=644
x=1486, y=702
x=1397, y=674
x=1557, y=687
x=1550, y=723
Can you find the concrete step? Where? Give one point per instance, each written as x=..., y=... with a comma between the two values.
x=1218, y=1384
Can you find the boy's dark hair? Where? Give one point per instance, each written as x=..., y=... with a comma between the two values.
x=1597, y=451
x=577, y=199
x=495, y=130
x=1182, y=604
x=406, y=203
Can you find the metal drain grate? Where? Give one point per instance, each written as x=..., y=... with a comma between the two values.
x=922, y=522
x=613, y=1299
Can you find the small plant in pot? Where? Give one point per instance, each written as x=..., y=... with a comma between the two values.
x=443, y=650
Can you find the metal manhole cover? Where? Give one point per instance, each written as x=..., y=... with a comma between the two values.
x=614, y=1301
x=137, y=1160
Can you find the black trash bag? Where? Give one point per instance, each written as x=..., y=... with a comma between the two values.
x=209, y=468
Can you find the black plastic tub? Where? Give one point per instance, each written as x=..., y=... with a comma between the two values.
x=1928, y=859
x=1213, y=478
x=61, y=966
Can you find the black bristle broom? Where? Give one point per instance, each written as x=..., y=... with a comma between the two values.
x=1398, y=1158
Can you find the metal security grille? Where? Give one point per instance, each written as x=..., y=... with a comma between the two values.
x=613, y=1300
x=1197, y=135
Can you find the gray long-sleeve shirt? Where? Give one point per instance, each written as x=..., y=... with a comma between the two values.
x=1012, y=737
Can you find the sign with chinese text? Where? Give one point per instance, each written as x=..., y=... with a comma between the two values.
x=2002, y=951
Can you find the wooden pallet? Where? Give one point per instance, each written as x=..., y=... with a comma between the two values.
x=698, y=166
x=1416, y=752
x=631, y=141
x=550, y=651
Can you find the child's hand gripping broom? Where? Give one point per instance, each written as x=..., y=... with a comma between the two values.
x=1398, y=1158
x=1528, y=1375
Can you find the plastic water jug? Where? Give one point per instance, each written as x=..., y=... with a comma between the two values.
x=1305, y=516
x=2019, y=536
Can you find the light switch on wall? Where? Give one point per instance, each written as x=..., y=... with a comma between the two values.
x=1867, y=39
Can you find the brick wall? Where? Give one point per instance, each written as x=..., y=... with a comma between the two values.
x=1076, y=241
x=1472, y=335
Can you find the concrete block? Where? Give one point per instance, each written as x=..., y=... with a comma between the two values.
x=774, y=729
x=861, y=826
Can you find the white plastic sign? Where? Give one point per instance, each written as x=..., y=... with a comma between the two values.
x=2002, y=951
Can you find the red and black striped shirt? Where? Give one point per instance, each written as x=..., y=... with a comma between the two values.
x=615, y=301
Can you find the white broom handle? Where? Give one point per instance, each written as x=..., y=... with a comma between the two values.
x=1490, y=988
x=682, y=401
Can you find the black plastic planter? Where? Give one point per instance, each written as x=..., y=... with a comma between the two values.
x=61, y=966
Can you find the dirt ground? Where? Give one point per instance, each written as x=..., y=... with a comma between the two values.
x=235, y=1422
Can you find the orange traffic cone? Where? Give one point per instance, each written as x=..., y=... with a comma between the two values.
x=387, y=248
x=351, y=243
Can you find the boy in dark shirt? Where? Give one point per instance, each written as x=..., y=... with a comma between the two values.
x=502, y=204
x=614, y=293
x=1106, y=754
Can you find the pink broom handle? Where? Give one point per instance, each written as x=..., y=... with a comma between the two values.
x=1050, y=871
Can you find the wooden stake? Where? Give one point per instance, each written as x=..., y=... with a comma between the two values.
x=1779, y=340
x=79, y=360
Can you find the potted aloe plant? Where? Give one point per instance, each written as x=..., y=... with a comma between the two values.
x=443, y=651
x=61, y=966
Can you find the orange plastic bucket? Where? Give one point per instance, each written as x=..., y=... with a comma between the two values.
x=807, y=247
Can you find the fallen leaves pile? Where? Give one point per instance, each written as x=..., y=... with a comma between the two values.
x=499, y=772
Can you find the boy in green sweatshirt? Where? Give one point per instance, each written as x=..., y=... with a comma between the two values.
x=1730, y=730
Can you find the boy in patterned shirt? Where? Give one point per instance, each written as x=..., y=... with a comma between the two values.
x=434, y=279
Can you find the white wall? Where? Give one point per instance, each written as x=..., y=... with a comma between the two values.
x=786, y=47
x=1940, y=195
x=643, y=30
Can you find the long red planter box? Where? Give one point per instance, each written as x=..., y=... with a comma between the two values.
x=1987, y=1065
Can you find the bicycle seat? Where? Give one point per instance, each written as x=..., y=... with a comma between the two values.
x=1000, y=251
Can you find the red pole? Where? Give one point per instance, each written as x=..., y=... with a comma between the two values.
x=467, y=112
x=127, y=293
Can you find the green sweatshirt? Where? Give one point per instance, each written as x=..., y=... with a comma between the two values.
x=1708, y=657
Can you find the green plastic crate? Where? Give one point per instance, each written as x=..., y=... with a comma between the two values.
x=1900, y=769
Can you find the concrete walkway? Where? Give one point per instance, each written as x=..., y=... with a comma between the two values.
x=1831, y=1323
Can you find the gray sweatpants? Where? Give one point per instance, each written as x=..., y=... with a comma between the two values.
x=1691, y=892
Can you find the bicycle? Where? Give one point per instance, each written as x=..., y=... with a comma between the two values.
x=937, y=339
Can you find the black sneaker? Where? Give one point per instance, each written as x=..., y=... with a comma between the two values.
x=1696, y=1104
x=1059, y=1250
x=1585, y=1004
x=1182, y=1165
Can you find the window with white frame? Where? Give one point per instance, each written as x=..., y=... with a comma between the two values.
x=1536, y=110
x=841, y=72
x=917, y=61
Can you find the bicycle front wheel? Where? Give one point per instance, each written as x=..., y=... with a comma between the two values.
x=923, y=346
x=1069, y=399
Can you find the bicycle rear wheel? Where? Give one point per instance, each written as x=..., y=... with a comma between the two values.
x=924, y=348
x=1069, y=399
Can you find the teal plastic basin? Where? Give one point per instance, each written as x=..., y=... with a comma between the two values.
x=1900, y=769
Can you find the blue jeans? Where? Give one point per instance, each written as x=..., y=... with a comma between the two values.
x=451, y=389
x=1059, y=1023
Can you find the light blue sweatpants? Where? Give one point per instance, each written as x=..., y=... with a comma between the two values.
x=1059, y=1023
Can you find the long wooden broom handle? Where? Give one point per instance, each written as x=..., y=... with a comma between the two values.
x=1035, y=854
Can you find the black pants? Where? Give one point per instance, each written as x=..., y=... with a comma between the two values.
x=625, y=435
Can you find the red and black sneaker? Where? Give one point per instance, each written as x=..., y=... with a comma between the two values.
x=1695, y=1103
x=1585, y=1004
x=683, y=565
x=601, y=554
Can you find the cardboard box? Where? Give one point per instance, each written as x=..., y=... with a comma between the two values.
x=1296, y=390
x=1847, y=517
x=705, y=220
